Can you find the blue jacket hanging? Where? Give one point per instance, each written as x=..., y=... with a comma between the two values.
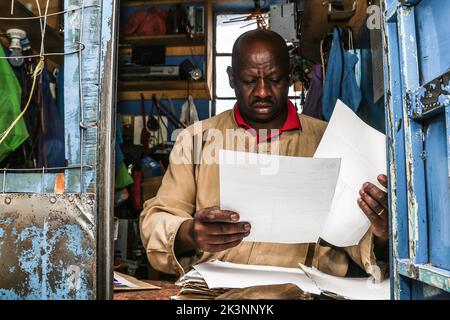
x=340, y=82
x=51, y=144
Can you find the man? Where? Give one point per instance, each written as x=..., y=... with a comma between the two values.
x=183, y=224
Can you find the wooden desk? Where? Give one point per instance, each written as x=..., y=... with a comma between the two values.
x=167, y=290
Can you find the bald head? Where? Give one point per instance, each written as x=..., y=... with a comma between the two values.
x=265, y=39
x=260, y=78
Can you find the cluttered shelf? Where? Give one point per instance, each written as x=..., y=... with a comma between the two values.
x=164, y=40
x=54, y=42
x=162, y=85
x=176, y=89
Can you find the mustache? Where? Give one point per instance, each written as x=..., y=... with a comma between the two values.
x=263, y=100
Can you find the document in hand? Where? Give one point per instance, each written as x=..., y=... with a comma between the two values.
x=213, y=277
x=286, y=199
x=363, y=153
x=298, y=200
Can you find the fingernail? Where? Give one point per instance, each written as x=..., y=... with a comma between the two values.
x=359, y=200
x=247, y=227
x=366, y=185
x=211, y=215
x=234, y=217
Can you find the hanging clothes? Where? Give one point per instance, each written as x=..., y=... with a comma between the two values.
x=313, y=102
x=10, y=109
x=51, y=143
x=340, y=81
x=123, y=178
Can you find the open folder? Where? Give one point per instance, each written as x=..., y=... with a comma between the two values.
x=299, y=200
x=210, y=279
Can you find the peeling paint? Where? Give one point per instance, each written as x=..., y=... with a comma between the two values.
x=444, y=100
x=46, y=252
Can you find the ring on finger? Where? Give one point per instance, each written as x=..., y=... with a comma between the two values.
x=381, y=212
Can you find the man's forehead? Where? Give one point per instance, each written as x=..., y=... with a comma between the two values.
x=256, y=57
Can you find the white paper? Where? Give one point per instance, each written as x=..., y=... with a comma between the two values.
x=122, y=282
x=286, y=199
x=218, y=274
x=363, y=153
x=349, y=288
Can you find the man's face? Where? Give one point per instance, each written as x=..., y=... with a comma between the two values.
x=261, y=83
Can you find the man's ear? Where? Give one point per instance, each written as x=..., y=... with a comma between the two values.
x=230, y=77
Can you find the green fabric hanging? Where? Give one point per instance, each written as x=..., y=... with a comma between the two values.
x=10, y=108
x=123, y=178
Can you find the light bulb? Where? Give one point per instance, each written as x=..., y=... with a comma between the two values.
x=16, y=62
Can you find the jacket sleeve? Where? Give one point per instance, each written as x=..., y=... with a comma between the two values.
x=336, y=261
x=174, y=203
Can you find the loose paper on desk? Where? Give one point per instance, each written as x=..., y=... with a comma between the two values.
x=218, y=274
x=363, y=153
x=286, y=199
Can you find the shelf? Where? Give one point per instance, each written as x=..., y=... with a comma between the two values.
x=174, y=89
x=176, y=45
x=54, y=42
x=161, y=85
x=156, y=2
x=164, y=40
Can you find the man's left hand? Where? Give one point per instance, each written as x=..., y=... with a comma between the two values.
x=374, y=203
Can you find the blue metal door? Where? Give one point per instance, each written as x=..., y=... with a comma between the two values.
x=417, y=77
x=56, y=228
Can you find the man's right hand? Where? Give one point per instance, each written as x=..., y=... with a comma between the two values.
x=211, y=230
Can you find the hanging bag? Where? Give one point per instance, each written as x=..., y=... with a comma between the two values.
x=10, y=109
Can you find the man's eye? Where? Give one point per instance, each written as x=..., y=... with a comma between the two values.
x=275, y=80
x=248, y=81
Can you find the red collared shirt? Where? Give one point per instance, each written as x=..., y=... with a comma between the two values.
x=292, y=122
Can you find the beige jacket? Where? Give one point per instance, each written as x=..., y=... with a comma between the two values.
x=188, y=187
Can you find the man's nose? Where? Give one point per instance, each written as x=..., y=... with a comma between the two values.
x=262, y=89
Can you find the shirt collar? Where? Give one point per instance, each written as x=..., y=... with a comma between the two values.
x=292, y=121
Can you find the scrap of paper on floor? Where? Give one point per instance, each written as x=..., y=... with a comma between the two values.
x=219, y=274
x=286, y=199
x=363, y=153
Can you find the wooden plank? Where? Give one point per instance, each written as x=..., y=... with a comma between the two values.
x=53, y=6
x=209, y=19
x=54, y=42
x=173, y=94
x=157, y=2
x=163, y=40
x=185, y=51
x=171, y=51
x=161, y=85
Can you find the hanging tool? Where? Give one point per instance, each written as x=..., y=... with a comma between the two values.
x=337, y=10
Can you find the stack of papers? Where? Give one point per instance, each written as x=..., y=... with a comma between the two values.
x=194, y=286
x=213, y=278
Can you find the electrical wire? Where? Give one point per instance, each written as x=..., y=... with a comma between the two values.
x=52, y=14
x=37, y=72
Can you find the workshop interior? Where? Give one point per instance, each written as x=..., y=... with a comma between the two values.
x=94, y=93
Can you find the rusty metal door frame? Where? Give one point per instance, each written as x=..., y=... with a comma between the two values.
x=90, y=45
x=417, y=123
